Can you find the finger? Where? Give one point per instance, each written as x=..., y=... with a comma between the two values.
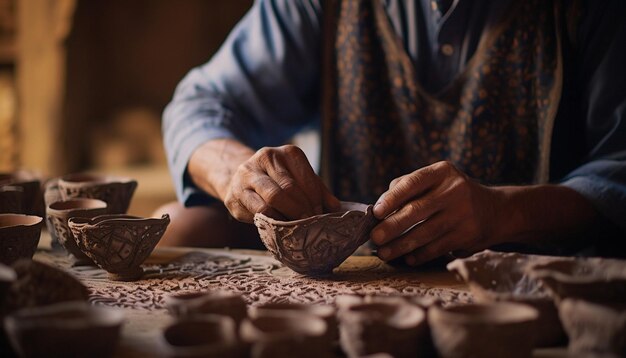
x=422, y=234
x=305, y=177
x=277, y=198
x=435, y=249
x=395, y=181
x=254, y=203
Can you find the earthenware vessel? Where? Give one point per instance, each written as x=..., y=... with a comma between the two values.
x=203, y=336
x=190, y=304
x=595, y=279
x=316, y=245
x=594, y=327
x=19, y=236
x=496, y=276
x=58, y=214
x=115, y=191
x=398, y=328
x=11, y=199
x=500, y=329
x=325, y=312
x=70, y=329
x=51, y=195
x=283, y=334
x=118, y=244
x=31, y=189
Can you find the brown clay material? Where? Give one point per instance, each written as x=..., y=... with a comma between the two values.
x=203, y=336
x=496, y=276
x=58, y=214
x=594, y=328
x=500, y=329
x=192, y=304
x=118, y=244
x=316, y=245
x=392, y=327
x=19, y=236
x=51, y=195
x=31, y=189
x=325, y=312
x=11, y=199
x=7, y=277
x=115, y=191
x=71, y=329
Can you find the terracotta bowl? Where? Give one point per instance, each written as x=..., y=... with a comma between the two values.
x=398, y=329
x=484, y=330
x=203, y=336
x=286, y=334
x=325, y=312
x=595, y=279
x=316, y=245
x=11, y=199
x=71, y=329
x=496, y=276
x=19, y=236
x=594, y=328
x=58, y=214
x=191, y=304
x=31, y=189
x=118, y=244
x=115, y=191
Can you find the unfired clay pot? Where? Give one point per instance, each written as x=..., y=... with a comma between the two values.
x=325, y=312
x=191, y=304
x=118, y=244
x=593, y=327
x=398, y=328
x=115, y=191
x=500, y=329
x=11, y=199
x=19, y=236
x=282, y=334
x=203, y=336
x=496, y=276
x=58, y=214
x=31, y=189
x=71, y=329
x=316, y=245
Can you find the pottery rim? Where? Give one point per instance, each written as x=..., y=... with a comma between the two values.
x=185, y=303
x=500, y=313
x=318, y=310
x=16, y=220
x=86, y=178
x=76, y=204
x=79, y=222
x=556, y=270
x=398, y=315
x=346, y=209
x=282, y=324
x=69, y=315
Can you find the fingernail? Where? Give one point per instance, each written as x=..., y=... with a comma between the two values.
x=384, y=253
x=379, y=208
x=410, y=260
x=378, y=236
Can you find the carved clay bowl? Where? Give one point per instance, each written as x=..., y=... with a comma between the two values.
x=191, y=304
x=203, y=336
x=595, y=279
x=500, y=329
x=11, y=199
x=283, y=334
x=115, y=191
x=19, y=236
x=316, y=245
x=593, y=327
x=398, y=329
x=51, y=195
x=118, y=244
x=495, y=276
x=71, y=329
x=31, y=189
x=325, y=312
x=58, y=214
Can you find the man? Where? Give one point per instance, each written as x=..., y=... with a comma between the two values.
x=469, y=124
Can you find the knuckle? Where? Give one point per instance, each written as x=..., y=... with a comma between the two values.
x=292, y=150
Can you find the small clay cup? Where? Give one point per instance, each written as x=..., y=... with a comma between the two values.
x=70, y=329
x=118, y=244
x=316, y=245
x=19, y=236
x=500, y=329
x=115, y=191
x=325, y=312
x=593, y=327
x=31, y=190
x=398, y=328
x=203, y=336
x=190, y=304
x=11, y=199
x=58, y=214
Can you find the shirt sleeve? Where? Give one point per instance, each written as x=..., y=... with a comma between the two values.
x=261, y=87
x=602, y=61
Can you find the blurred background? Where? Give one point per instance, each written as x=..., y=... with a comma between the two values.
x=83, y=83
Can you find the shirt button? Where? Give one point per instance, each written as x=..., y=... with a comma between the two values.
x=447, y=49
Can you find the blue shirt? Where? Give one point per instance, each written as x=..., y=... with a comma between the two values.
x=263, y=86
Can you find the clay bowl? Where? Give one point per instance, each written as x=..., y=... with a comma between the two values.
x=286, y=334
x=191, y=304
x=500, y=329
x=398, y=329
x=595, y=279
x=316, y=245
x=203, y=336
x=71, y=329
x=31, y=189
x=496, y=276
x=19, y=236
x=115, y=191
x=11, y=199
x=118, y=244
x=325, y=312
x=58, y=214
x=594, y=328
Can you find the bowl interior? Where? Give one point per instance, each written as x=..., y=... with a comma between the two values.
x=499, y=313
x=12, y=220
x=68, y=315
x=289, y=323
x=74, y=204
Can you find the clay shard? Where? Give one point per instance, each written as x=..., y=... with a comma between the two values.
x=203, y=336
x=118, y=244
x=316, y=245
x=191, y=304
x=30, y=184
x=117, y=192
x=19, y=236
